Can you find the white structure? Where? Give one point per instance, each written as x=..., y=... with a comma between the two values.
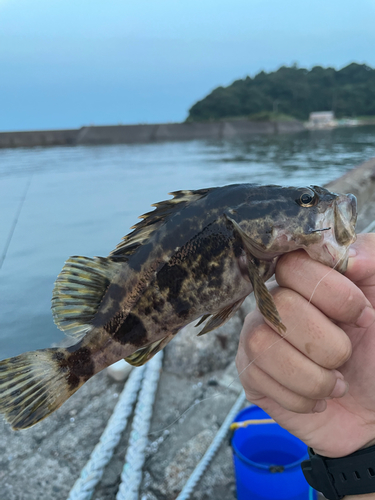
x=322, y=119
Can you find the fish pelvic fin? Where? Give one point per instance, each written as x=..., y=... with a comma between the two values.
x=78, y=292
x=35, y=384
x=220, y=318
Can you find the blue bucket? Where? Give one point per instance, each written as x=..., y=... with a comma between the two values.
x=267, y=461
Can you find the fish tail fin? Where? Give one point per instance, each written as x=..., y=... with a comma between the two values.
x=35, y=384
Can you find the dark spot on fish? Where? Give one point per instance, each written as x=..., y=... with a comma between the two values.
x=171, y=278
x=157, y=303
x=182, y=307
x=140, y=257
x=237, y=247
x=132, y=331
x=58, y=356
x=73, y=381
x=78, y=362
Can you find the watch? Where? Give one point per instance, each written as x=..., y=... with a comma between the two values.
x=353, y=474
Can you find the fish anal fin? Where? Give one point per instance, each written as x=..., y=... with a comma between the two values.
x=221, y=317
x=263, y=298
x=141, y=356
x=78, y=292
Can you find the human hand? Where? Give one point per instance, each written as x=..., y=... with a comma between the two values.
x=319, y=381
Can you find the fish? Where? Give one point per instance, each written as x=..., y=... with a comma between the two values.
x=194, y=257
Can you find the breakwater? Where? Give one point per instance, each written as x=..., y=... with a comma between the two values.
x=128, y=134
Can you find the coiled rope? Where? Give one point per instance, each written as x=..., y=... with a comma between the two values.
x=131, y=476
x=103, y=451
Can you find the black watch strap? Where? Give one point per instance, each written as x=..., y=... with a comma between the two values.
x=338, y=477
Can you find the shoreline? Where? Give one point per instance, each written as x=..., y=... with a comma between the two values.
x=148, y=133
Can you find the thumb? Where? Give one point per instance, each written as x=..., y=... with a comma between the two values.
x=361, y=264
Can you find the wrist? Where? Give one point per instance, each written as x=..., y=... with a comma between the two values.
x=368, y=496
x=352, y=476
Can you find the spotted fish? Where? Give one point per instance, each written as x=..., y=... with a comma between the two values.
x=197, y=255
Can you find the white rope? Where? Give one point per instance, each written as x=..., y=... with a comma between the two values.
x=131, y=476
x=212, y=449
x=103, y=451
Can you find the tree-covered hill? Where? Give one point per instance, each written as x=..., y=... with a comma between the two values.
x=293, y=91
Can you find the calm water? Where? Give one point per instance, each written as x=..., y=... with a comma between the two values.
x=82, y=201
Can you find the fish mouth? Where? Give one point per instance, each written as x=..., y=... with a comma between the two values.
x=338, y=233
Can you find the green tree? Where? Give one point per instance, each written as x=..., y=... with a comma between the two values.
x=293, y=91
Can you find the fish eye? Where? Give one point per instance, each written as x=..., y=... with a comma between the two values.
x=307, y=199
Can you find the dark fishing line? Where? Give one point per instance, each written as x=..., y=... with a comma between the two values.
x=15, y=221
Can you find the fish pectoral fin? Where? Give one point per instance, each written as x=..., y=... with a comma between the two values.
x=220, y=318
x=263, y=297
x=78, y=292
x=250, y=245
x=141, y=356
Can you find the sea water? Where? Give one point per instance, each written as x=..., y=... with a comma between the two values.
x=62, y=201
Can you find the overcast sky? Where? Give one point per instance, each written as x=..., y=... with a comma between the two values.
x=68, y=63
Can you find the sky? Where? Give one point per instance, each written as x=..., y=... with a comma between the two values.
x=70, y=63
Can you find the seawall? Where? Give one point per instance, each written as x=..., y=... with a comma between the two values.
x=128, y=134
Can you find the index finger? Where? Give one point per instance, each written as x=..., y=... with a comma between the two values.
x=331, y=292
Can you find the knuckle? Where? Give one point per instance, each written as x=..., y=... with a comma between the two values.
x=300, y=405
x=285, y=299
x=341, y=354
x=251, y=396
x=258, y=342
x=290, y=264
x=321, y=386
x=349, y=303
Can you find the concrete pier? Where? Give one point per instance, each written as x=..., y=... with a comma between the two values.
x=129, y=134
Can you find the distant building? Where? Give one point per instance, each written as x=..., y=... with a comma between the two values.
x=322, y=119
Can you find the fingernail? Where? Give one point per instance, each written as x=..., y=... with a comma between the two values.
x=340, y=389
x=367, y=317
x=352, y=252
x=339, y=374
x=320, y=406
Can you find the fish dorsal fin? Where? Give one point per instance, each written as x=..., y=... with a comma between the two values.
x=152, y=221
x=78, y=292
x=220, y=318
x=141, y=356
